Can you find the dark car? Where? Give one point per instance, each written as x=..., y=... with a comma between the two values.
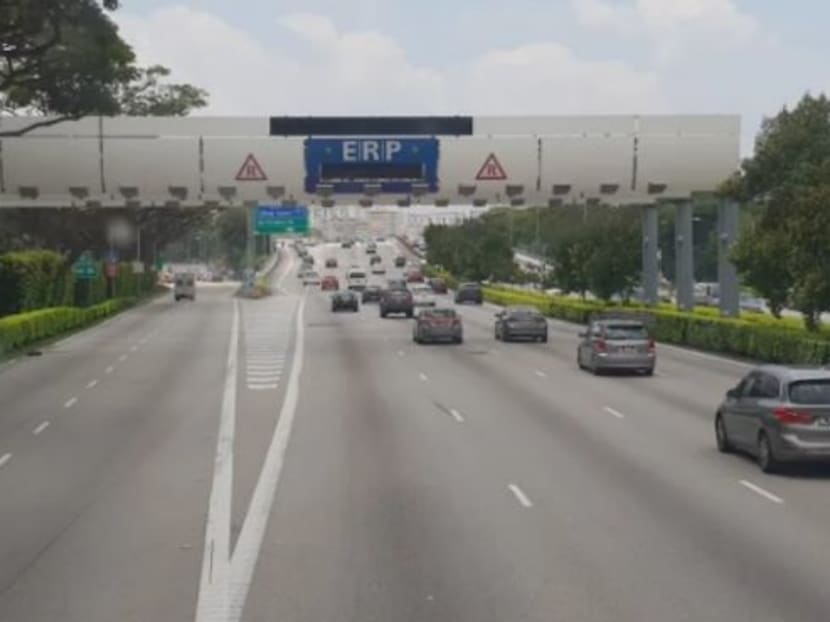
x=777, y=414
x=521, y=323
x=344, y=299
x=331, y=262
x=438, y=286
x=400, y=261
x=374, y=259
x=396, y=284
x=346, y=244
x=469, y=292
x=438, y=325
x=396, y=300
x=371, y=294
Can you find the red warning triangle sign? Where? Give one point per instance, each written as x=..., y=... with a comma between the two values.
x=491, y=170
x=251, y=170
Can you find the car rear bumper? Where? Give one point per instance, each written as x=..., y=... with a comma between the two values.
x=436, y=335
x=625, y=362
x=397, y=309
x=527, y=332
x=790, y=448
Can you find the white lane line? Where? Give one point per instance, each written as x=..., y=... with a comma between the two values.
x=615, y=413
x=760, y=491
x=40, y=428
x=249, y=543
x=122, y=358
x=520, y=495
x=70, y=402
x=91, y=384
x=541, y=374
x=423, y=377
x=133, y=348
x=457, y=415
x=213, y=584
x=400, y=352
x=110, y=369
x=4, y=459
x=262, y=387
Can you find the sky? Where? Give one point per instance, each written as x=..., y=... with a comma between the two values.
x=489, y=57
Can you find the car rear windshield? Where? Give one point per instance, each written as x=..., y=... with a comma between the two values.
x=357, y=275
x=524, y=314
x=440, y=313
x=474, y=286
x=810, y=392
x=621, y=332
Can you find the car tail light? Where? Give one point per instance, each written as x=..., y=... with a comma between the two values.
x=456, y=323
x=788, y=416
x=651, y=345
x=600, y=345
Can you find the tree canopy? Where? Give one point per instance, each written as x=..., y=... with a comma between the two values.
x=785, y=255
x=66, y=59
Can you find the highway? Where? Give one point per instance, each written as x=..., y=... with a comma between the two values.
x=269, y=460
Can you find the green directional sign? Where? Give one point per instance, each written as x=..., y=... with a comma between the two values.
x=85, y=267
x=281, y=219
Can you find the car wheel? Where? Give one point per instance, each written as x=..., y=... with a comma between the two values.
x=177, y=298
x=459, y=340
x=416, y=338
x=505, y=336
x=766, y=456
x=410, y=314
x=721, y=437
x=544, y=338
x=382, y=313
x=496, y=334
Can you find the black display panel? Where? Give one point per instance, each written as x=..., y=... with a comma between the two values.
x=341, y=171
x=371, y=126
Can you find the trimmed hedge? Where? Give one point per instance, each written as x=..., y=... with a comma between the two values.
x=760, y=338
x=34, y=280
x=22, y=329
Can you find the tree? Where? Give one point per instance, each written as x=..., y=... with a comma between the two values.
x=65, y=59
x=571, y=259
x=789, y=176
x=616, y=255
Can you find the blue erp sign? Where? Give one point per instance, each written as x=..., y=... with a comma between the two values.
x=391, y=165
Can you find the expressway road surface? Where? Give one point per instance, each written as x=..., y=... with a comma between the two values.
x=268, y=460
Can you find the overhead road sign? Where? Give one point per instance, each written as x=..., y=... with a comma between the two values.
x=386, y=165
x=85, y=267
x=491, y=170
x=251, y=170
x=281, y=219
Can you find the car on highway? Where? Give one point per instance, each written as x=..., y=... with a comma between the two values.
x=438, y=324
x=617, y=344
x=397, y=284
x=346, y=244
x=184, y=286
x=331, y=262
x=396, y=300
x=519, y=322
x=400, y=261
x=371, y=294
x=311, y=278
x=439, y=286
x=374, y=259
x=422, y=295
x=308, y=260
x=415, y=276
x=371, y=248
x=378, y=269
x=344, y=300
x=356, y=279
x=777, y=414
x=329, y=283
x=469, y=292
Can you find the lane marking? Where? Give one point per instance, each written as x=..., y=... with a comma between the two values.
x=4, y=459
x=70, y=402
x=541, y=374
x=760, y=491
x=122, y=358
x=109, y=369
x=40, y=428
x=252, y=533
x=213, y=584
x=613, y=412
x=133, y=348
x=423, y=377
x=456, y=415
x=92, y=383
x=262, y=387
x=400, y=352
x=520, y=495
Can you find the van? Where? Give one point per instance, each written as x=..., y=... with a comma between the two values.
x=356, y=279
x=184, y=286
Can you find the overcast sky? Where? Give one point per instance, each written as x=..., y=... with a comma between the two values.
x=274, y=57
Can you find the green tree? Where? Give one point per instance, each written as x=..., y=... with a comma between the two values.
x=789, y=176
x=65, y=59
x=616, y=256
x=571, y=258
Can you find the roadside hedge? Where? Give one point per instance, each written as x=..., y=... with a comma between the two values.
x=17, y=331
x=755, y=337
x=34, y=280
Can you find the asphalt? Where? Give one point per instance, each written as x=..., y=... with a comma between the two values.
x=340, y=472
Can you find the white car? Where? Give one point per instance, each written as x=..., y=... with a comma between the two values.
x=311, y=278
x=356, y=279
x=422, y=295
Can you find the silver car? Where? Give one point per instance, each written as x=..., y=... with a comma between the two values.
x=777, y=414
x=521, y=323
x=617, y=344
